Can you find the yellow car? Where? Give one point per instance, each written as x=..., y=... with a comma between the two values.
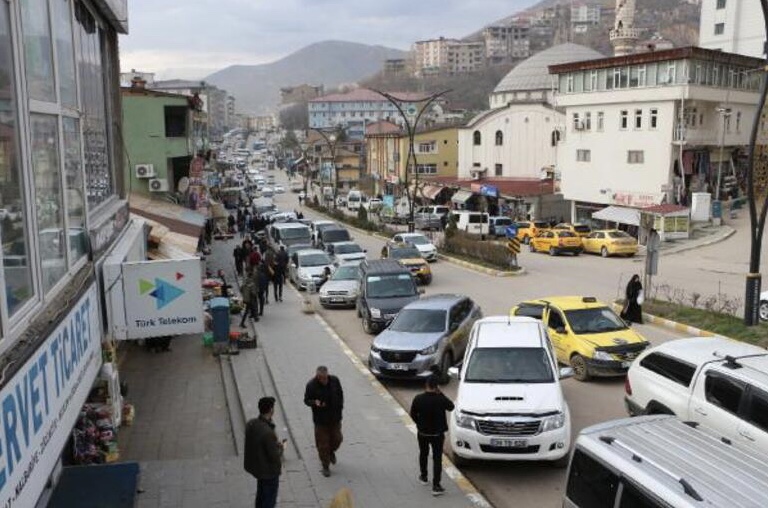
x=529, y=229
x=586, y=334
x=610, y=242
x=581, y=230
x=556, y=242
x=410, y=257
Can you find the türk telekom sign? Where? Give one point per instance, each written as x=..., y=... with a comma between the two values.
x=40, y=404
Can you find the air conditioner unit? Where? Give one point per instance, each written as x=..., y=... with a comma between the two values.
x=158, y=185
x=145, y=170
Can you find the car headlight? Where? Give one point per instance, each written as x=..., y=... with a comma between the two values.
x=602, y=355
x=464, y=421
x=375, y=313
x=430, y=350
x=553, y=422
x=375, y=348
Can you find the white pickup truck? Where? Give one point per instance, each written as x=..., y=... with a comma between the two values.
x=719, y=383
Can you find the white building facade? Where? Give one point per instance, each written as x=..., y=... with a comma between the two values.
x=653, y=128
x=732, y=26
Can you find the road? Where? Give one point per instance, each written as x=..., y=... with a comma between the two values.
x=521, y=484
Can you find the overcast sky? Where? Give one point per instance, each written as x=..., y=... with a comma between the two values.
x=191, y=39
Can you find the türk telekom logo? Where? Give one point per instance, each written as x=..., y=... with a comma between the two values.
x=161, y=290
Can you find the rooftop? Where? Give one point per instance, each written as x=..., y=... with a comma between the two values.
x=366, y=95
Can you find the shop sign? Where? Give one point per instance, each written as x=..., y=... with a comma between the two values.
x=489, y=190
x=162, y=298
x=42, y=401
x=102, y=236
x=637, y=200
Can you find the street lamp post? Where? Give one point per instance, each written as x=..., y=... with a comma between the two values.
x=416, y=107
x=304, y=145
x=726, y=114
x=330, y=137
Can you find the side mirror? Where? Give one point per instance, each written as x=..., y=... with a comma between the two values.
x=422, y=291
x=560, y=329
x=454, y=373
x=566, y=372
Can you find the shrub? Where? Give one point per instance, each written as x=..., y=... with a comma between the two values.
x=464, y=245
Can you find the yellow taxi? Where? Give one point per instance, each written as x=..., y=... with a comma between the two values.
x=580, y=230
x=586, y=334
x=529, y=229
x=556, y=242
x=409, y=256
x=610, y=242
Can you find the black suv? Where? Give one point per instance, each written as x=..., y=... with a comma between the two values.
x=386, y=287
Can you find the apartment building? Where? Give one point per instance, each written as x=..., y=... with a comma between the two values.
x=733, y=26
x=505, y=42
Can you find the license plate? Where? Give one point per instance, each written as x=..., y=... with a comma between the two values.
x=399, y=366
x=509, y=443
x=337, y=300
x=625, y=365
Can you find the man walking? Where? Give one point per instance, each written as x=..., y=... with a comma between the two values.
x=281, y=269
x=249, y=291
x=326, y=398
x=428, y=413
x=263, y=454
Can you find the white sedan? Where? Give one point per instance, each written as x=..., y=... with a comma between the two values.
x=764, y=305
x=279, y=189
x=425, y=246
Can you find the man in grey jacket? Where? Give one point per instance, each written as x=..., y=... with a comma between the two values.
x=263, y=454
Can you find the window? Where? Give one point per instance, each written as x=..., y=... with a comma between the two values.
x=617, y=77
x=623, y=119
x=477, y=138
x=671, y=368
x=588, y=121
x=723, y=391
x=427, y=147
x=75, y=194
x=590, y=483
x=576, y=122
x=719, y=28
x=499, y=138
x=757, y=409
x=738, y=121
x=38, y=50
x=641, y=76
x=638, y=119
x=499, y=170
x=555, y=320
x=720, y=4
x=600, y=121
x=593, y=80
x=636, y=497
x=426, y=169
x=635, y=157
x=654, y=120
x=569, y=83
x=65, y=53
x=583, y=155
x=555, y=137
x=671, y=72
x=175, y=121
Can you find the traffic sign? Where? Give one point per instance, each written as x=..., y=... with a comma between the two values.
x=513, y=246
x=511, y=231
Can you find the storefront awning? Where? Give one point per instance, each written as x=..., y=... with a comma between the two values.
x=176, y=218
x=461, y=196
x=620, y=214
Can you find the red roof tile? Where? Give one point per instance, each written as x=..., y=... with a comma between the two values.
x=664, y=209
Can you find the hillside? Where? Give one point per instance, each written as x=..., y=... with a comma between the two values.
x=330, y=63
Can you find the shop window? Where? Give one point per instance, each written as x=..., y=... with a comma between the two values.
x=19, y=287
x=65, y=53
x=38, y=51
x=175, y=121
x=74, y=182
x=49, y=203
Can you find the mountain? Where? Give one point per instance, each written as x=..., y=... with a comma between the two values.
x=256, y=88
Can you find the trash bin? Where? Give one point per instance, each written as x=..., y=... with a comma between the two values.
x=220, y=313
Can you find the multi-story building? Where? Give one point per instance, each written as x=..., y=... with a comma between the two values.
x=448, y=56
x=382, y=150
x=231, y=115
x=733, y=26
x=211, y=102
x=655, y=127
x=588, y=14
x=395, y=66
x=301, y=93
x=505, y=42
x=261, y=123
x=465, y=57
x=430, y=56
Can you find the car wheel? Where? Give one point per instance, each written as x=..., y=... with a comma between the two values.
x=552, y=251
x=446, y=361
x=368, y=326
x=604, y=251
x=764, y=310
x=579, y=366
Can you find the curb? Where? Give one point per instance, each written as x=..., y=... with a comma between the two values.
x=674, y=325
x=683, y=248
x=462, y=482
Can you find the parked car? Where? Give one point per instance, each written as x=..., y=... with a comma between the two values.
x=386, y=287
x=474, y=223
x=342, y=288
x=431, y=217
x=661, y=461
x=308, y=267
x=430, y=333
x=764, y=305
x=497, y=225
x=318, y=225
x=410, y=257
x=267, y=192
x=354, y=199
x=345, y=253
x=556, y=242
x=425, y=246
x=279, y=189
x=581, y=230
x=720, y=383
x=373, y=205
x=610, y=242
x=283, y=217
x=293, y=249
x=510, y=405
x=330, y=235
x=287, y=233
x=527, y=230
x=586, y=334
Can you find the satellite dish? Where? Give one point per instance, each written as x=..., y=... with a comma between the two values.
x=183, y=184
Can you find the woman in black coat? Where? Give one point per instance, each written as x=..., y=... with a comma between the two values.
x=633, y=309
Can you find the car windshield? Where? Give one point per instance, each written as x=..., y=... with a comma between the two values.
x=509, y=365
x=419, y=321
x=315, y=259
x=416, y=239
x=335, y=235
x=294, y=233
x=595, y=320
x=581, y=228
x=618, y=234
x=541, y=224
x=347, y=248
x=391, y=286
x=565, y=234
x=296, y=248
x=503, y=222
x=346, y=272
x=320, y=227
x=404, y=253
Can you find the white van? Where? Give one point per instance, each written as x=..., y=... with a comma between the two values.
x=510, y=405
x=474, y=223
x=661, y=461
x=354, y=200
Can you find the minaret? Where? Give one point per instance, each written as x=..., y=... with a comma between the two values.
x=624, y=35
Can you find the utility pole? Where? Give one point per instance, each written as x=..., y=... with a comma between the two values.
x=331, y=136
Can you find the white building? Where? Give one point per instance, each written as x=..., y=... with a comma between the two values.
x=448, y=56
x=503, y=42
x=733, y=26
x=634, y=121
x=586, y=14
x=430, y=56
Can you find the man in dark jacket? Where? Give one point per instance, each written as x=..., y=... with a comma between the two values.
x=263, y=454
x=326, y=398
x=281, y=269
x=428, y=413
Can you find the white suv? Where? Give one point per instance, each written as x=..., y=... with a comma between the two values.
x=510, y=405
x=719, y=383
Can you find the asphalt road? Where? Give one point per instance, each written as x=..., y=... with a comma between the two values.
x=520, y=484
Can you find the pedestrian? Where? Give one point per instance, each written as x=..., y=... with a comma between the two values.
x=264, y=283
x=269, y=266
x=254, y=259
x=326, y=398
x=249, y=292
x=428, y=413
x=241, y=226
x=281, y=269
x=263, y=454
x=231, y=223
x=238, y=255
x=633, y=303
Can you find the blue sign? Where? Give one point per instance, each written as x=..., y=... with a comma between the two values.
x=389, y=200
x=511, y=231
x=489, y=190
